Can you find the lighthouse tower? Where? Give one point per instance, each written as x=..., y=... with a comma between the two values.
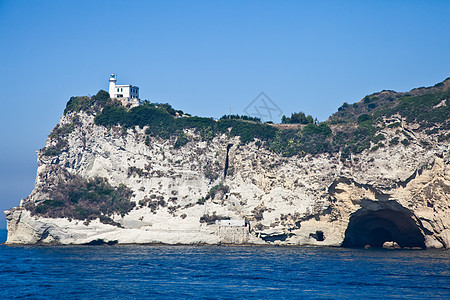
x=112, y=85
x=126, y=93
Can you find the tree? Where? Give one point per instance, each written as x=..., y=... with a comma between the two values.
x=297, y=118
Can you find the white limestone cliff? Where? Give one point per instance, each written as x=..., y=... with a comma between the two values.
x=309, y=200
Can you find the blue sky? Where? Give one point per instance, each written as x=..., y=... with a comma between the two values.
x=205, y=57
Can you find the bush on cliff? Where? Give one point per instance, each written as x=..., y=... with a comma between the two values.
x=92, y=104
x=79, y=199
x=211, y=219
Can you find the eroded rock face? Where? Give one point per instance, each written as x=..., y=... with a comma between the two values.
x=394, y=194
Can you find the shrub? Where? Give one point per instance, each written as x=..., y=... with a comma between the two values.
x=424, y=143
x=238, y=117
x=377, y=138
x=210, y=173
x=101, y=98
x=211, y=219
x=297, y=118
x=405, y=142
x=343, y=106
x=76, y=104
x=394, y=125
x=201, y=201
x=363, y=118
x=93, y=104
x=133, y=170
x=80, y=199
x=61, y=131
x=56, y=149
x=313, y=129
x=258, y=212
x=367, y=99
x=182, y=139
x=153, y=203
x=215, y=189
x=394, y=141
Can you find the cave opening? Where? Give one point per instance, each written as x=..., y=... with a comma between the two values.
x=379, y=236
x=376, y=225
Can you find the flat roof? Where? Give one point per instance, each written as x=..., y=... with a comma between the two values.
x=122, y=85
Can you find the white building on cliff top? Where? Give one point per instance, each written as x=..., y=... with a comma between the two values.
x=124, y=92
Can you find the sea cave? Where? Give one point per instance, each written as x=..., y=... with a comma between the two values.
x=379, y=222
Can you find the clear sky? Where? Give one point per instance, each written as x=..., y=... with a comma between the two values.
x=205, y=57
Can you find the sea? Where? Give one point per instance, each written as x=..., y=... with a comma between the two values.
x=220, y=272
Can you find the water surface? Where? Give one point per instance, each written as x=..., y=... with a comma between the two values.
x=211, y=272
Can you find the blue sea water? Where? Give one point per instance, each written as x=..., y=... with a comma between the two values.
x=220, y=272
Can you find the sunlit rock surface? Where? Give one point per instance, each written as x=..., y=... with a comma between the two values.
x=398, y=194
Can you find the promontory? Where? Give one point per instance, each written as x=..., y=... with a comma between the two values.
x=376, y=173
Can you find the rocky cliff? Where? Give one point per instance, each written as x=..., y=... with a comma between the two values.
x=377, y=171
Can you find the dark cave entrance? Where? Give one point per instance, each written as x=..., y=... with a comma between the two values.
x=380, y=222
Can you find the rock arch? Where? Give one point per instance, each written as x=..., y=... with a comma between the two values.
x=377, y=222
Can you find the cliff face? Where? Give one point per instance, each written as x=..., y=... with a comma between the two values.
x=153, y=190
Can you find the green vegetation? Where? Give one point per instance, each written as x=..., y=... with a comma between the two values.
x=313, y=138
x=405, y=142
x=427, y=110
x=238, y=117
x=358, y=129
x=63, y=130
x=216, y=189
x=355, y=140
x=61, y=145
x=211, y=219
x=93, y=104
x=394, y=125
x=394, y=141
x=77, y=104
x=133, y=170
x=153, y=202
x=377, y=146
x=297, y=118
x=162, y=124
x=429, y=107
x=87, y=200
x=210, y=172
x=212, y=193
x=59, y=134
x=379, y=137
x=201, y=201
x=182, y=139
